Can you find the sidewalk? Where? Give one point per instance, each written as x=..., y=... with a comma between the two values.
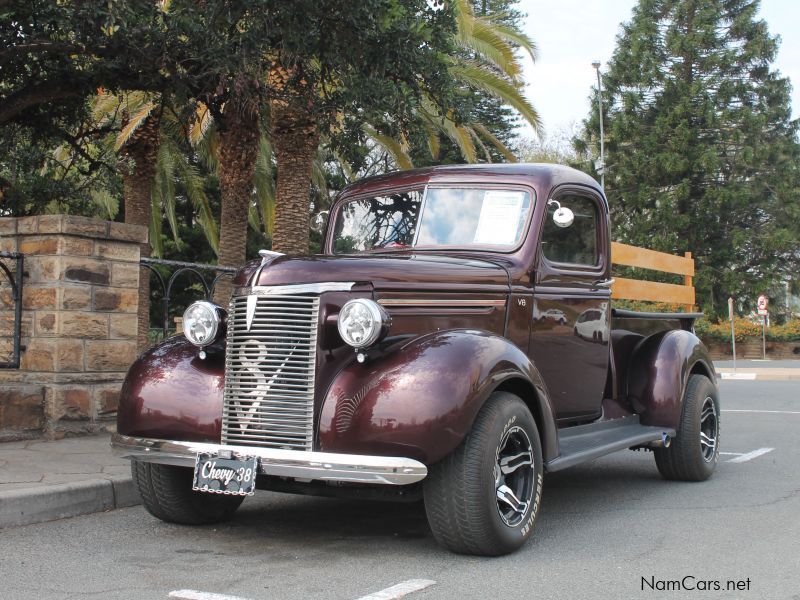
x=47, y=480
x=760, y=370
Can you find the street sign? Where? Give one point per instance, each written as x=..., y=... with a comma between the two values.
x=762, y=304
x=730, y=309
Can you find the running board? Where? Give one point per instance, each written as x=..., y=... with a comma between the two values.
x=586, y=442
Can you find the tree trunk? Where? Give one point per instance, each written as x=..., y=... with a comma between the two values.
x=137, y=180
x=295, y=139
x=238, y=148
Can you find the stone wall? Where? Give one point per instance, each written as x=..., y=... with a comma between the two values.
x=752, y=349
x=80, y=294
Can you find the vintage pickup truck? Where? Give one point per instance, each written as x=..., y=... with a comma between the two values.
x=454, y=342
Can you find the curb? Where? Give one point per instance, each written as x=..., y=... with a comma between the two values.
x=761, y=375
x=48, y=503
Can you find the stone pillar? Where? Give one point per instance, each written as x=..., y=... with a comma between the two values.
x=80, y=296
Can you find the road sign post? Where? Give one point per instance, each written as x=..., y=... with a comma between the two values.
x=733, y=334
x=762, y=304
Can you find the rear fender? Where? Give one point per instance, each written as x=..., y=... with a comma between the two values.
x=420, y=401
x=659, y=371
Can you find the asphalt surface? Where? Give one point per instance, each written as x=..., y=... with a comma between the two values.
x=602, y=528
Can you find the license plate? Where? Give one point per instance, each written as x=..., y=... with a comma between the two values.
x=234, y=476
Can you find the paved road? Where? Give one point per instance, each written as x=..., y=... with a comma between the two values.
x=602, y=528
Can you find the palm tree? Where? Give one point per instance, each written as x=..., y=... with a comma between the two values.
x=151, y=160
x=239, y=134
x=488, y=64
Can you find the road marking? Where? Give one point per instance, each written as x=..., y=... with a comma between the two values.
x=748, y=376
x=401, y=589
x=769, y=412
x=197, y=595
x=744, y=457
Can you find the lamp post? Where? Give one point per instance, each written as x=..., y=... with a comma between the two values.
x=602, y=165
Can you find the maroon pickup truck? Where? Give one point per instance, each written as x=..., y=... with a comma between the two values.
x=454, y=342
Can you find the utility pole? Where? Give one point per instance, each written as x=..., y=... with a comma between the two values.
x=602, y=163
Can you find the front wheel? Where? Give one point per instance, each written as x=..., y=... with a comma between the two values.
x=167, y=494
x=694, y=453
x=484, y=497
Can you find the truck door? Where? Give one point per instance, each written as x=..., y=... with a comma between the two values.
x=571, y=304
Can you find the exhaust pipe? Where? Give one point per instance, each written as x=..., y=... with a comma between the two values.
x=664, y=442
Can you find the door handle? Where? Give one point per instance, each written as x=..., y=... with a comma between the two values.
x=604, y=284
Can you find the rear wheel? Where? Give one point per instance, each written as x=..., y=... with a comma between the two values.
x=483, y=499
x=167, y=494
x=694, y=453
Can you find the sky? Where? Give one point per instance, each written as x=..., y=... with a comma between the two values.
x=570, y=34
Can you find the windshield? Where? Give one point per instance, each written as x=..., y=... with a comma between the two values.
x=437, y=217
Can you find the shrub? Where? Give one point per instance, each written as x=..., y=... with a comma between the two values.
x=746, y=329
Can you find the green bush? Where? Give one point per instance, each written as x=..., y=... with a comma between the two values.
x=746, y=329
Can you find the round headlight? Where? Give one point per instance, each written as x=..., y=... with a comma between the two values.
x=201, y=323
x=362, y=322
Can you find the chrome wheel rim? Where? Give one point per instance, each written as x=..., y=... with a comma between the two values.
x=513, y=476
x=709, y=429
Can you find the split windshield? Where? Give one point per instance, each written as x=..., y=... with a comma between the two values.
x=458, y=217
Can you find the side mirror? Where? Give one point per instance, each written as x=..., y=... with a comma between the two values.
x=318, y=221
x=562, y=217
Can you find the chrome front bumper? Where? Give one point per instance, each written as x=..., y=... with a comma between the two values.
x=297, y=464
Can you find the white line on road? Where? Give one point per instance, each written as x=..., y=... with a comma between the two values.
x=747, y=376
x=771, y=412
x=748, y=456
x=401, y=589
x=197, y=595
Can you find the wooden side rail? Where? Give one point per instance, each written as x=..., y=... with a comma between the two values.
x=653, y=291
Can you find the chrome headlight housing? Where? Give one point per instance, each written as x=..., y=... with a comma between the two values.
x=362, y=322
x=201, y=323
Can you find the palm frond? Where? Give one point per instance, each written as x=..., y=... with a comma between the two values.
x=103, y=106
x=392, y=146
x=263, y=179
x=515, y=37
x=106, y=202
x=156, y=243
x=200, y=124
x=490, y=137
x=133, y=124
x=457, y=134
x=465, y=17
x=165, y=187
x=491, y=47
x=472, y=74
x=477, y=140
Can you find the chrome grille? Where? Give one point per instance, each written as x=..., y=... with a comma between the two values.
x=269, y=370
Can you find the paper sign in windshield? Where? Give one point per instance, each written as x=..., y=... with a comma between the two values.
x=500, y=216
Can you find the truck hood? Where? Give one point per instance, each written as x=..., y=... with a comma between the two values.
x=395, y=271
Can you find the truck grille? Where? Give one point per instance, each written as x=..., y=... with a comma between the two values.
x=269, y=371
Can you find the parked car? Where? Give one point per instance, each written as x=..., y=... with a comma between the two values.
x=406, y=361
x=592, y=324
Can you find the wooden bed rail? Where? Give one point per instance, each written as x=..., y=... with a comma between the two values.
x=653, y=291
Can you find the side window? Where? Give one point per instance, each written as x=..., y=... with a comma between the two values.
x=576, y=244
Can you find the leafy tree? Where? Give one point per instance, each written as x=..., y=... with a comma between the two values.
x=701, y=152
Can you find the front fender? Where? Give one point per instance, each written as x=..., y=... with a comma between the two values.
x=658, y=374
x=420, y=401
x=170, y=393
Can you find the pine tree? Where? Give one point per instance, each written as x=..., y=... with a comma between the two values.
x=701, y=151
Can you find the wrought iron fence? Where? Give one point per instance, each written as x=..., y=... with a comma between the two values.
x=167, y=273
x=14, y=277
